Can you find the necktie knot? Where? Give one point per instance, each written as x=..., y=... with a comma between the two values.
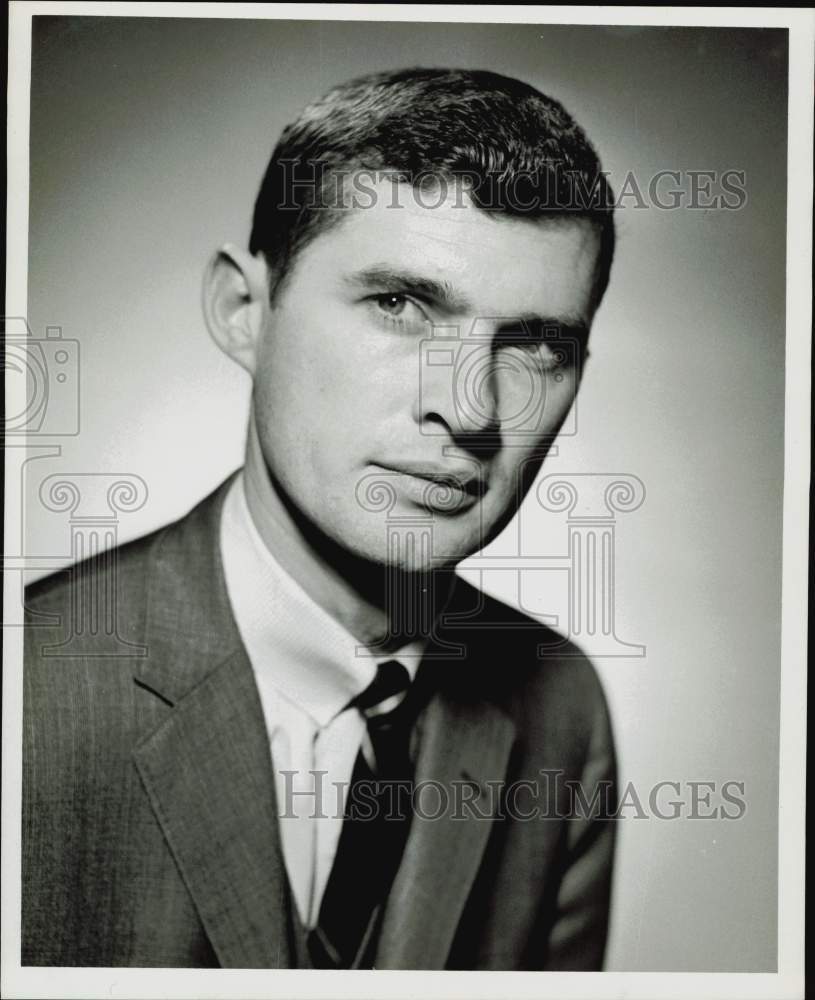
x=385, y=693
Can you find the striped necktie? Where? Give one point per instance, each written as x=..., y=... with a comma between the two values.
x=375, y=825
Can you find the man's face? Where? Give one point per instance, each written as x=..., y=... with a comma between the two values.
x=394, y=382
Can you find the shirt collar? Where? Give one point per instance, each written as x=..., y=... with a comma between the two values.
x=303, y=651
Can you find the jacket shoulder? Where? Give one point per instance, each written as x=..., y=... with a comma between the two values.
x=127, y=563
x=84, y=634
x=533, y=653
x=540, y=678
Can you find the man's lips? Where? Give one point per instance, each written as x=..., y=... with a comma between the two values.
x=439, y=487
x=465, y=479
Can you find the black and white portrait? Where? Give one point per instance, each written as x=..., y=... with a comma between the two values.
x=405, y=462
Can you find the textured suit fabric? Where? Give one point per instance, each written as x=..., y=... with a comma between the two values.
x=150, y=832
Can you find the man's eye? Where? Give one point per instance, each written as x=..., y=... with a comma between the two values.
x=393, y=303
x=398, y=309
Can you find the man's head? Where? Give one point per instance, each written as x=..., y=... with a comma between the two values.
x=427, y=253
x=516, y=152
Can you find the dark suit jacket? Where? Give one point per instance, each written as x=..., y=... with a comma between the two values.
x=150, y=834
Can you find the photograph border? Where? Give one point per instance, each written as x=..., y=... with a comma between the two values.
x=788, y=981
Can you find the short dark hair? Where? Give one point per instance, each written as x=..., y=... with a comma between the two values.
x=518, y=152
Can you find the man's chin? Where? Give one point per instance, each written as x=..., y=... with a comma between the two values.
x=414, y=546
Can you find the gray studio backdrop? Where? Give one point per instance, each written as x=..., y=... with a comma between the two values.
x=148, y=141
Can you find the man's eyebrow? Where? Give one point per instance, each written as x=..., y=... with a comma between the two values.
x=441, y=293
x=566, y=326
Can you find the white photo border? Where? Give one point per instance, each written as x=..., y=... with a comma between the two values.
x=788, y=981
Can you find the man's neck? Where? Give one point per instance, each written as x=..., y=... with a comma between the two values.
x=361, y=596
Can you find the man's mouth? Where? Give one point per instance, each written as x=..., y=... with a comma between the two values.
x=438, y=488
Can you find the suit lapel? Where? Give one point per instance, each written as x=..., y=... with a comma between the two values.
x=208, y=773
x=207, y=768
x=460, y=741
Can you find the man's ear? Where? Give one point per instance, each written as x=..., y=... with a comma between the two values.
x=235, y=299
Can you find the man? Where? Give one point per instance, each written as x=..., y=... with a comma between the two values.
x=333, y=752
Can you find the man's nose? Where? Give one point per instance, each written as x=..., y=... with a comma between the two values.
x=458, y=393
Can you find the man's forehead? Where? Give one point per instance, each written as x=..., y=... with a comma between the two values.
x=492, y=262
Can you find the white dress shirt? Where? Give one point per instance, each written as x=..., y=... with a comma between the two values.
x=307, y=668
